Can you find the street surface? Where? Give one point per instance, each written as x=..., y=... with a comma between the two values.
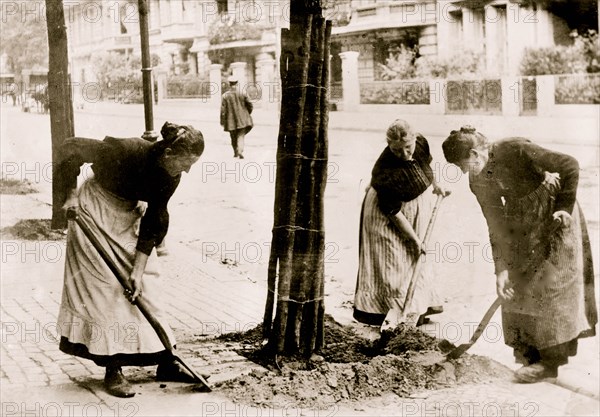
x=219, y=236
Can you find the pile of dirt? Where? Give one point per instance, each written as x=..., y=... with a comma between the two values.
x=32, y=229
x=328, y=383
x=15, y=186
x=350, y=368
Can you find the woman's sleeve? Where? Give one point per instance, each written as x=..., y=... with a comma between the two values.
x=74, y=152
x=153, y=228
x=493, y=211
x=155, y=223
x=542, y=159
x=426, y=152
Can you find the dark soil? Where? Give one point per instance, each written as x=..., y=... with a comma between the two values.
x=32, y=229
x=14, y=186
x=351, y=368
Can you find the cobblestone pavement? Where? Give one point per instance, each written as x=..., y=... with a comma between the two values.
x=198, y=304
x=205, y=297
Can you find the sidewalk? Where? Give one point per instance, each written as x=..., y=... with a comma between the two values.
x=580, y=130
x=204, y=299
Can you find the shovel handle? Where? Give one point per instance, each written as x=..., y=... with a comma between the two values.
x=72, y=214
x=410, y=292
x=458, y=351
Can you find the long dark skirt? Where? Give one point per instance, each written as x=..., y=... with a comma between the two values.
x=551, y=269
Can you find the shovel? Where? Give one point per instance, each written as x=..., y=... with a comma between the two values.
x=397, y=313
x=456, y=352
x=139, y=302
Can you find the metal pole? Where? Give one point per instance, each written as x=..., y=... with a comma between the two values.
x=149, y=134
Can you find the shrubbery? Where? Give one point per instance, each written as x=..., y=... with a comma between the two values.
x=584, y=89
x=401, y=92
x=118, y=74
x=398, y=66
x=228, y=29
x=460, y=64
x=581, y=57
x=404, y=64
x=187, y=86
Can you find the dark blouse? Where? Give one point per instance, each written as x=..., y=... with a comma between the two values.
x=515, y=168
x=129, y=169
x=397, y=181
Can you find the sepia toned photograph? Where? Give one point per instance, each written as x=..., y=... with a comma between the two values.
x=299, y=208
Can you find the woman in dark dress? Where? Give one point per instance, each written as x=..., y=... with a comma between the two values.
x=540, y=245
x=395, y=214
x=96, y=320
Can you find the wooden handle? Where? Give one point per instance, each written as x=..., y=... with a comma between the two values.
x=122, y=277
x=410, y=292
x=139, y=302
x=457, y=352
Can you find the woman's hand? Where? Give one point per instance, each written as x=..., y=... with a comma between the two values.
x=135, y=280
x=72, y=201
x=440, y=190
x=420, y=246
x=136, y=286
x=562, y=218
x=503, y=286
x=552, y=180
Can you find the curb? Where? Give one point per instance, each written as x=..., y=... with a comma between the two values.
x=499, y=126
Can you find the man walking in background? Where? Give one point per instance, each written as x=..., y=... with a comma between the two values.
x=236, y=108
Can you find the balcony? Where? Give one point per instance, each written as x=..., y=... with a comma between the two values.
x=179, y=32
x=390, y=14
x=228, y=33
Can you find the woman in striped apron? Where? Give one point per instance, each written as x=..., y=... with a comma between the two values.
x=395, y=214
x=540, y=245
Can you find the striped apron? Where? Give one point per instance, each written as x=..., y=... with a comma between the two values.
x=551, y=305
x=386, y=259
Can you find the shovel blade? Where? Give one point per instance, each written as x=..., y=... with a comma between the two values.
x=457, y=353
x=202, y=383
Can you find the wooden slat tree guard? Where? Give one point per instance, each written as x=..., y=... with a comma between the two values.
x=296, y=264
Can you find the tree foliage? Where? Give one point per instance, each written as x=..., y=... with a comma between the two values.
x=117, y=72
x=459, y=64
x=581, y=57
x=23, y=36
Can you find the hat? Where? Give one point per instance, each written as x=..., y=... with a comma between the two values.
x=233, y=79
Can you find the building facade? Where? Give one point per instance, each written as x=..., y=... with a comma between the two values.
x=190, y=36
x=499, y=30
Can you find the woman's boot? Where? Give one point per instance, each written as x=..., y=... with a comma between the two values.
x=116, y=384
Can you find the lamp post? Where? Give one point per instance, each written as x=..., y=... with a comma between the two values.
x=149, y=134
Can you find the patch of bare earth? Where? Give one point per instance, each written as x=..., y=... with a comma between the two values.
x=350, y=368
x=15, y=186
x=32, y=229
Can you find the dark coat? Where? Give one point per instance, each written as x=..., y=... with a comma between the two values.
x=129, y=169
x=235, y=111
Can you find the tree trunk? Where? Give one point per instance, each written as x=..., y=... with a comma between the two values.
x=61, y=105
x=296, y=267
